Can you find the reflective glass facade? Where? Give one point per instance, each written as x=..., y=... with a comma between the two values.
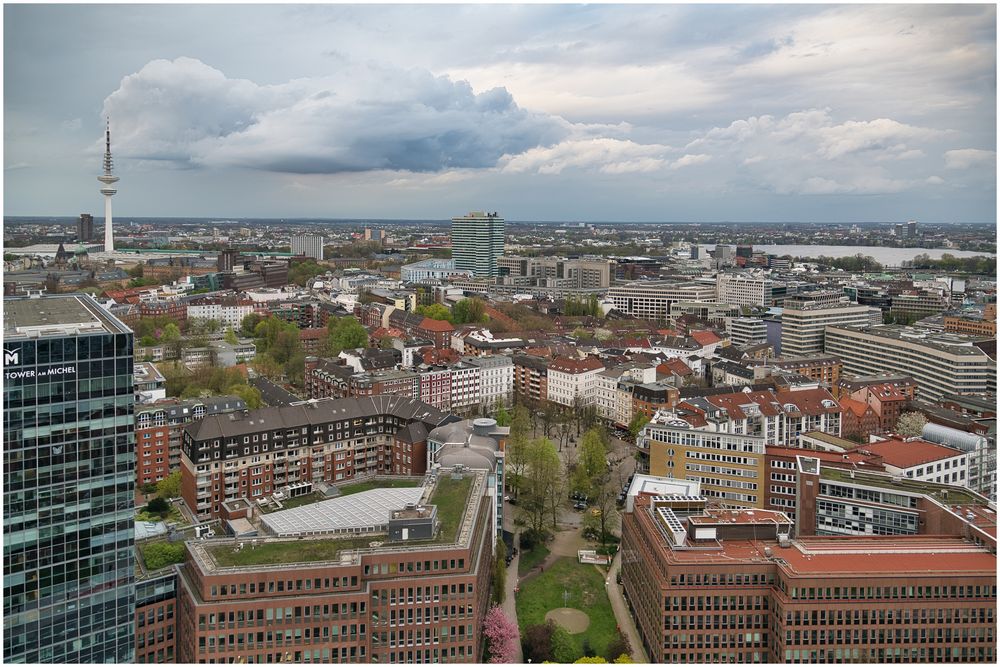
x=68, y=507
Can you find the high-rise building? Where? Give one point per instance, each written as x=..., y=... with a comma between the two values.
x=941, y=363
x=310, y=245
x=85, y=227
x=69, y=482
x=803, y=327
x=477, y=241
x=911, y=229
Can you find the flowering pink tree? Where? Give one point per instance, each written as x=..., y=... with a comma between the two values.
x=503, y=636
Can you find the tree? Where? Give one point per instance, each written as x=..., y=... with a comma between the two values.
x=503, y=417
x=500, y=572
x=231, y=338
x=162, y=554
x=435, y=311
x=169, y=486
x=250, y=395
x=470, y=310
x=911, y=424
x=343, y=333
x=517, y=448
x=563, y=647
x=159, y=506
x=501, y=635
x=249, y=324
x=541, y=481
x=619, y=646
x=593, y=463
x=638, y=422
x=264, y=365
x=591, y=660
x=171, y=337
x=537, y=642
x=624, y=659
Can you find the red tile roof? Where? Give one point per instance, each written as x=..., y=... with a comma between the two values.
x=436, y=325
x=857, y=407
x=704, y=338
x=907, y=454
x=675, y=366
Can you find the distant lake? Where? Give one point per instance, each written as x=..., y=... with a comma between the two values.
x=882, y=255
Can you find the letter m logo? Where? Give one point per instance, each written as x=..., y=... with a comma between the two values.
x=11, y=357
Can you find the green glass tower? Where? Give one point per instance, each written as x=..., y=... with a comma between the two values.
x=69, y=461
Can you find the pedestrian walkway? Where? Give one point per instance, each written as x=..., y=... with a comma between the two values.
x=625, y=621
x=509, y=605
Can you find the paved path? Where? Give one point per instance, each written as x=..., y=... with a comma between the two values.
x=625, y=621
x=509, y=605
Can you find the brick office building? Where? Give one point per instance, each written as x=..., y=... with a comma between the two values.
x=258, y=452
x=714, y=585
x=366, y=595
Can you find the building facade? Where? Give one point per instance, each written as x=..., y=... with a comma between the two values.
x=477, y=241
x=803, y=330
x=940, y=363
x=310, y=245
x=69, y=482
x=652, y=300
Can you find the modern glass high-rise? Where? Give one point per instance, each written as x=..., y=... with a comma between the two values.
x=477, y=242
x=69, y=482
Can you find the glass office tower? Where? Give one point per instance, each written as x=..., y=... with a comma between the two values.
x=477, y=241
x=69, y=462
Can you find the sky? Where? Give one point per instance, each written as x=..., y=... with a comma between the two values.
x=820, y=113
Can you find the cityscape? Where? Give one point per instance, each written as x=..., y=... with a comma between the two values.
x=398, y=353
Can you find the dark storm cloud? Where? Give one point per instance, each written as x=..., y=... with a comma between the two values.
x=360, y=118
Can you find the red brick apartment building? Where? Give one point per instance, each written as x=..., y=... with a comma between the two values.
x=255, y=453
x=360, y=597
x=717, y=585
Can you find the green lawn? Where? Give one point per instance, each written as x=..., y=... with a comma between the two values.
x=451, y=497
x=586, y=592
x=529, y=559
x=303, y=551
x=377, y=484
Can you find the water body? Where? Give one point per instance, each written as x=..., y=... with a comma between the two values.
x=882, y=255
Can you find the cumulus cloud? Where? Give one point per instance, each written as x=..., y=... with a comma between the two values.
x=809, y=152
x=604, y=154
x=689, y=160
x=360, y=118
x=966, y=158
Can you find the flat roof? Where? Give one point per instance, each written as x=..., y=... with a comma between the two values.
x=358, y=511
x=56, y=315
x=944, y=341
x=943, y=493
x=845, y=556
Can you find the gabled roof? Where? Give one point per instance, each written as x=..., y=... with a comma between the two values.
x=704, y=338
x=436, y=325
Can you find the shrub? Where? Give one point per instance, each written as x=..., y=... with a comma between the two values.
x=161, y=554
x=158, y=506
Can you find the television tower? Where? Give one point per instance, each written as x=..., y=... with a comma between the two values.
x=108, y=179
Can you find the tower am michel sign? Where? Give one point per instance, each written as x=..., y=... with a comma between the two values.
x=13, y=358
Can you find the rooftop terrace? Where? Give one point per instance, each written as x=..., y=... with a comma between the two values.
x=456, y=513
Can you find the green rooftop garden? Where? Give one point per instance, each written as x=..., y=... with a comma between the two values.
x=295, y=551
x=451, y=497
x=379, y=484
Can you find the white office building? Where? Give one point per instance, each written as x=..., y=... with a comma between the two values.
x=310, y=245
